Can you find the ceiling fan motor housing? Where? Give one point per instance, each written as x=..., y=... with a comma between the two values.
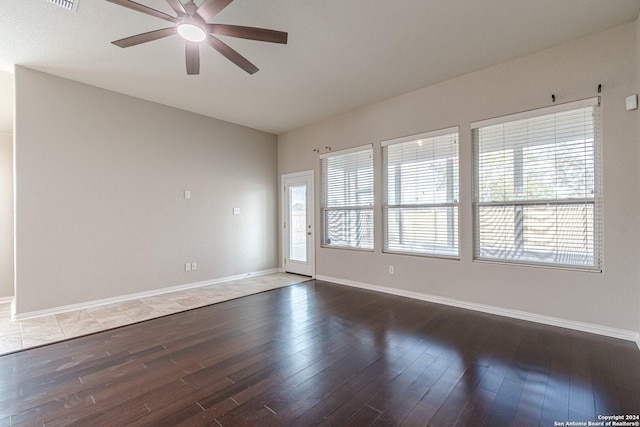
x=190, y=7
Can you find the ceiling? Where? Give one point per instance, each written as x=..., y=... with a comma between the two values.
x=341, y=54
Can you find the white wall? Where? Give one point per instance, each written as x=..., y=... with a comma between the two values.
x=6, y=215
x=100, y=210
x=571, y=72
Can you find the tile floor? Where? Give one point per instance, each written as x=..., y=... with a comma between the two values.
x=17, y=335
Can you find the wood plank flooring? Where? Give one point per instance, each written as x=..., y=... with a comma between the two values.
x=316, y=353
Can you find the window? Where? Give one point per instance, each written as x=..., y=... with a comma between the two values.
x=537, y=197
x=347, y=198
x=420, y=176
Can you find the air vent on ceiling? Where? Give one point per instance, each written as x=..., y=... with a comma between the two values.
x=71, y=5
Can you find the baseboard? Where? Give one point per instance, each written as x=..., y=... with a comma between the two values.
x=516, y=314
x=5, y=299
x=128, y=297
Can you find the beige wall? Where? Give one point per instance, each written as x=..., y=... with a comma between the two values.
x=6, y=215
x=571, y=72
x=638, y=136
x=100, y=210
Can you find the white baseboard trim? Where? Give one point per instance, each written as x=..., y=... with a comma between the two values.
x=128, y=297
x=6, y=299
x=516, y=314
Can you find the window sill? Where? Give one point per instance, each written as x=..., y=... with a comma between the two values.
x=540, y=265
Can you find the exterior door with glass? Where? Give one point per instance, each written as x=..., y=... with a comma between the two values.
x=297, y=223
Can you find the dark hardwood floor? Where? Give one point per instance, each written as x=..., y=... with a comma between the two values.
x=322, y=354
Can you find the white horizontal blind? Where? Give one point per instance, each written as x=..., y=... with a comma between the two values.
x=537, y=196
x=67, y=4
x=347, y=199
x=421, y=194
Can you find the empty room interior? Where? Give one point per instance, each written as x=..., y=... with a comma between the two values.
x=319, y=212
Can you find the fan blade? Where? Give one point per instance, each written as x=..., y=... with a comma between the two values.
x=177, y=7
x=193, y=57
x=145, y=37
x=144, y=9
x=231, y=55
x=210, y=8
x=251, y=33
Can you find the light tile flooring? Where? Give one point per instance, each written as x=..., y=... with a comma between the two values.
x=17, y=335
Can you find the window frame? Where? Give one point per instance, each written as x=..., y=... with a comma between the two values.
x=453, y=224
x=524, y=202
x=360, y=208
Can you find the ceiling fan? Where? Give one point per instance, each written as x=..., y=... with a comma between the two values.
x=191, y=24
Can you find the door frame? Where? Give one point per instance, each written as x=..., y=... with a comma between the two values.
x=310, y=218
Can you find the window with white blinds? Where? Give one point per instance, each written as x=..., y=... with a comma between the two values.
x=346, y=198
x=420, y=205
x=537, y=196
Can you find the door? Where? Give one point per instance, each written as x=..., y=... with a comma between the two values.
x=298, y=224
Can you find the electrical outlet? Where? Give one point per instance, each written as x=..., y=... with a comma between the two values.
x=194, y=266
x=392, y=270
x=187, y=267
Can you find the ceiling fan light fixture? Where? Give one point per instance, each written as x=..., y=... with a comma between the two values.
x=191, y=32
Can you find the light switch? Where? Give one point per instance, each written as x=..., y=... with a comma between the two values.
x=187, y=194
x=631, y=102
x=236, y=211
